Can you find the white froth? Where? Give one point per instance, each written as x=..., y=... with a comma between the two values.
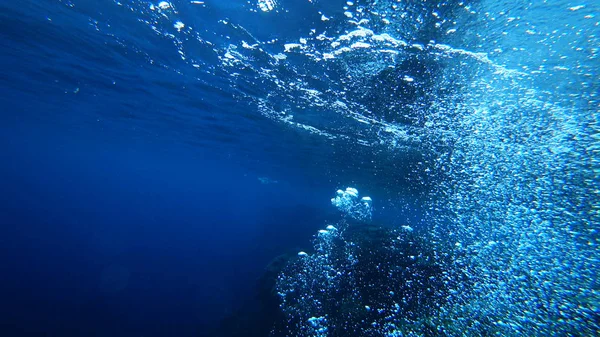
x=328, y=56
x=179, y=25
x=266, y=5
x=360, y=45
x=289, y=46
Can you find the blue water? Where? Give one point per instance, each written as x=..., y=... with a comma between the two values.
x=150, y=174
x=133, y=206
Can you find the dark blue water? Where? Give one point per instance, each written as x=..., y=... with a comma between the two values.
x=107, y=232
x=130, y=199
x=187, y=231
x=133, y=208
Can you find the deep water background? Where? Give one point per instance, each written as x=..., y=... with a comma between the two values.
x=118, y=237
x=131, y=200
x=117, y=225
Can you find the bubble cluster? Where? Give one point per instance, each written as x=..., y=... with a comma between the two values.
x=267, y=5
x=362, y=280
x=348, y=203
